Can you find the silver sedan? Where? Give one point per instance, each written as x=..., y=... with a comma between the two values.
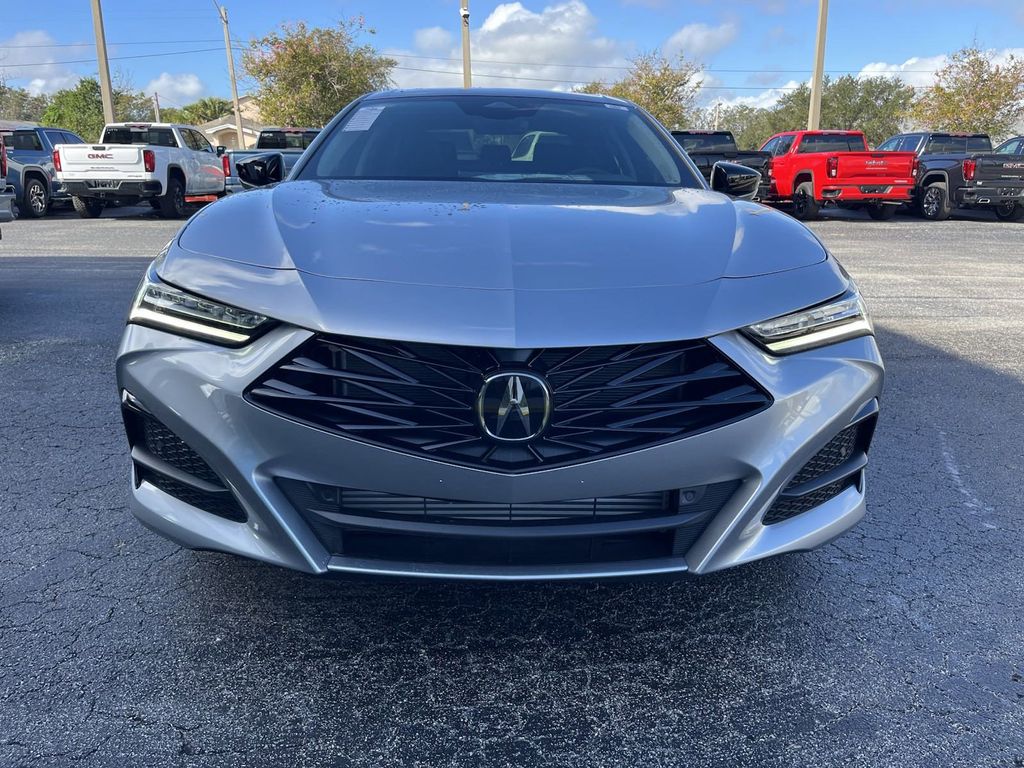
x=427, y=353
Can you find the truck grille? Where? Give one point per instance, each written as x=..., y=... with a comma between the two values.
x=421, y=399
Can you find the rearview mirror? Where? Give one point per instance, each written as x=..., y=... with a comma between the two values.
x=221, y=149
x=735, y=180
x=261, y=170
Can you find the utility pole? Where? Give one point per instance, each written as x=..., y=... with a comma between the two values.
x=106, y=92
x=156, y=107
x=223, y=13
x=718, y=113
x=467, y=70
x=817, y=79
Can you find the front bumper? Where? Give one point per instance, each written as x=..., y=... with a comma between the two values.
x=197, y=391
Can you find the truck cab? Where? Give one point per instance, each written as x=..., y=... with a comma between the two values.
x=30, y=169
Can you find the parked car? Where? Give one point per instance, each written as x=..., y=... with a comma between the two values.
x=407, y=361
x=705, y=148
x=997, y=180
x=6, y=190
x=30, y=167
x=163, y=163
x=814, y=168
x=290, y=143
x=941, y=185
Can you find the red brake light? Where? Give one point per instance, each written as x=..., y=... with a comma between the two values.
x=833, y=166
x=149, y=160
x=225, y=163
x=970, y=166
x=56, y=159
x=915, y=167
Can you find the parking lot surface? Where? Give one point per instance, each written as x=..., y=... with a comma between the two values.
x=901, y=644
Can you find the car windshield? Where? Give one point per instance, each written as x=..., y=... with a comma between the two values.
x=706, y=142
x=498, y=138
x=285, y=139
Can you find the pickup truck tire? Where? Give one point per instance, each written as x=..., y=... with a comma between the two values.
x=805, y=207
x=935, y=202
x=87, y=207
x=172, y=202
x=882, y=212
x=35, y=200
x=1010, y=212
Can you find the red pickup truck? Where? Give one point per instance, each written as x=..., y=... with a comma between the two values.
x=815, y=168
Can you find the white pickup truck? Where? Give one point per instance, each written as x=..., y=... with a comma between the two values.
x=160, y=162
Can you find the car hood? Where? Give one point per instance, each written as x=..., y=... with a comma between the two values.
x=504, y=264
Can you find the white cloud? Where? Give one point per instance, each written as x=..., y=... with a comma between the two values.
x=28, y=61
x=700, y=41
x=761, y=100
x=919, y=71
x=561, y=33
x=433, y=40
x=176, y=90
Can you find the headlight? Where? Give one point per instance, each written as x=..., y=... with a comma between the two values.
x=167, y=308
x=836, y=320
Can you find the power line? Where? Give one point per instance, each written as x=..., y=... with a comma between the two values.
x=90, y=45
x=112, y=58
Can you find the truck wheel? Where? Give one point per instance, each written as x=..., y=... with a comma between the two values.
x=1009, y=212
x=36, y=200
x=87, y=207
x=172, y=203
x=935, y=202
x=881, y=211
x=805, y=207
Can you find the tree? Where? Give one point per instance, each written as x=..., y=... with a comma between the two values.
x=18, y=104
x=80, y=109
x=974, y=93
x=305, y=75
x=204, y=110
x=666, y=89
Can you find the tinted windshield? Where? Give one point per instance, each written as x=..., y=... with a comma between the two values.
x=706, y=142
x=830, y=142
x=285, y=139
x=957, y=144
x=498, y=138
x=162, y=137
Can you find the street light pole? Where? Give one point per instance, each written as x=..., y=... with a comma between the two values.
x=223, y=13
x=106, y=93
x=467, y=71
x=817, y=79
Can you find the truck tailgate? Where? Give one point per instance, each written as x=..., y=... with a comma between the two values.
x=111, y=160
x=997, y=168
x=875, y=167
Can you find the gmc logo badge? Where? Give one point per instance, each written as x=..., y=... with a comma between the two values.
x=1013, y=165
x=101, y=156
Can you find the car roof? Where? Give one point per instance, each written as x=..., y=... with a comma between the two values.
x=494, y=92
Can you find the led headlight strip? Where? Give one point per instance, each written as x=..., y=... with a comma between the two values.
x=838, y=319
x=165, y=307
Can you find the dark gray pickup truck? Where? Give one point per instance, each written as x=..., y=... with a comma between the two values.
x=997, y=180
x=705, y=148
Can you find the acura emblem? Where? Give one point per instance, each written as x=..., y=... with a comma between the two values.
x=513, y=407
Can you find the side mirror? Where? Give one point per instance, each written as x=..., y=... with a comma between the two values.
x=261, y=170
x=221, y=149
x=735, y=180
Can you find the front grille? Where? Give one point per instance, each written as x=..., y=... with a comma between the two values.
x=421, y=398
x=681, y=516
x=220, y=504
x=167, y=446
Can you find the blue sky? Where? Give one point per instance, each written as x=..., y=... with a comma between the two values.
x=751, y=48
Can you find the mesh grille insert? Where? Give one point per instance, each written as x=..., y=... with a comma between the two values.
x=421, y=398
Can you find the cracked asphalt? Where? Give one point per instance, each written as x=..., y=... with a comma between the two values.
x=901, y=644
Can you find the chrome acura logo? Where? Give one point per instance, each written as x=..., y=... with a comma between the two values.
x=513, y=407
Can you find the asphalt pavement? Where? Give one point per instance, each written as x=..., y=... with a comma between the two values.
x=900, y=644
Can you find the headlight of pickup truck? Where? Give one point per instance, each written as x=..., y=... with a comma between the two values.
x=836, y=320
x=166, y=308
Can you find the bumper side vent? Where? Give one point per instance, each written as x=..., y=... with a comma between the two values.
x=165, y=461
x=833, y=469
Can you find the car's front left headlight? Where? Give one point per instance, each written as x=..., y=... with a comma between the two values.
x=165, y=307
x=838, y=319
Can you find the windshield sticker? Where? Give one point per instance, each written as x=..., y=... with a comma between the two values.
x=363, y=119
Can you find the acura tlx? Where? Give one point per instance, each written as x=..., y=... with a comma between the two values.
x=497, y=334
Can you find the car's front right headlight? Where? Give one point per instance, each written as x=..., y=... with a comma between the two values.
x=838, y=319
x=165, y=307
